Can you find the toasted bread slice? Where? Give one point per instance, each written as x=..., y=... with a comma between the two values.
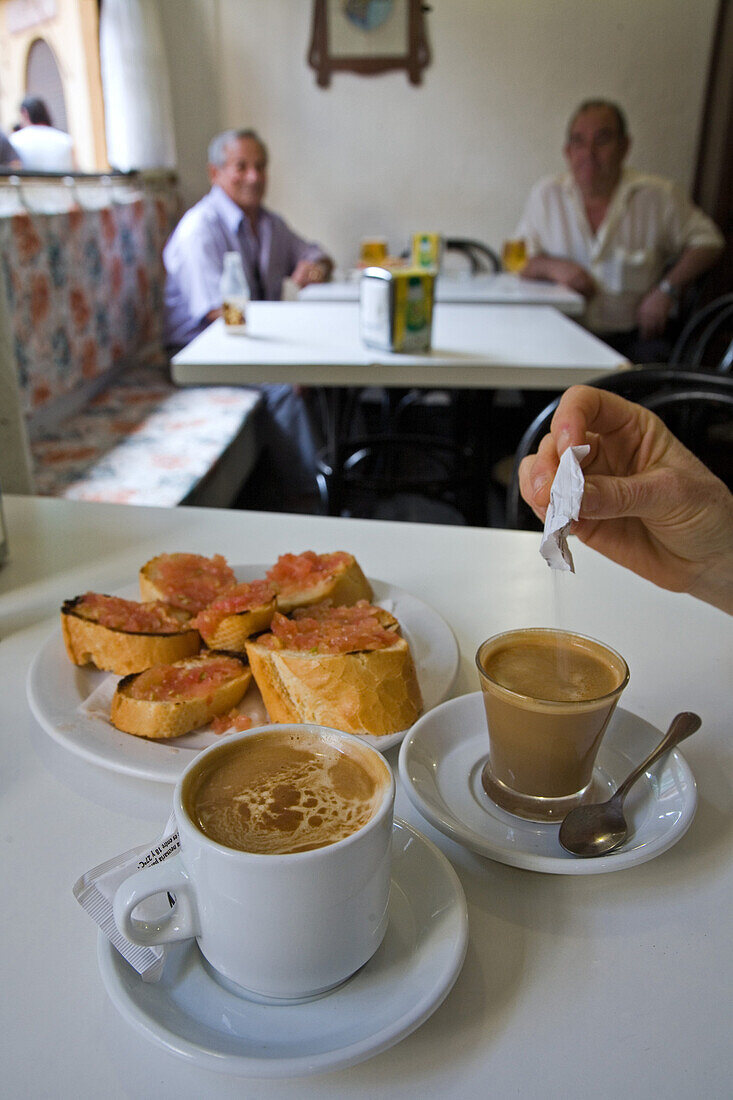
x=351, y=670
x=241, y=611
x=309, y=578
x=170, y=700
x=188, y=581
x=123, y=636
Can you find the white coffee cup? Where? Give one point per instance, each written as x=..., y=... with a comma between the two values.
x=278, y=927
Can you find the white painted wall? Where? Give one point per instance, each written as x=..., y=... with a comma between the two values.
x=457, y=154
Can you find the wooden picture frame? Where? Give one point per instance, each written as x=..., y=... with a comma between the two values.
x=368, y=37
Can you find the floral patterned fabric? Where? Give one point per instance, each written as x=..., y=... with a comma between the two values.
x=85, y=290
x=85, y=298
x=141, y=441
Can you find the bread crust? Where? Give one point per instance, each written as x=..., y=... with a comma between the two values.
x=343, y=588
x=372, y=692
x=232, y=632
x=121, y=651
x=164, y=719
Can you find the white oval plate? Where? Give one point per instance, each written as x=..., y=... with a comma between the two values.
x=190, y=1014
x=441, y=760
x=57, y=689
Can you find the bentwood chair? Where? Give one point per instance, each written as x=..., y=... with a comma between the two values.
x=481, y=257
x=706, y=340
x=370, y=471
x=696, y=406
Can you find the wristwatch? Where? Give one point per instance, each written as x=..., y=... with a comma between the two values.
x=667, y=288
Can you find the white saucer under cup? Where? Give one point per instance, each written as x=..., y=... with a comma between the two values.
x=443, y=755
x=189, y=1014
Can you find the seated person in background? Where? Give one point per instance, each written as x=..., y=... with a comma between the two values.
x=40, y=146
x=8, y=156
x=649, y=504
x=630, y=243
x=231, y=218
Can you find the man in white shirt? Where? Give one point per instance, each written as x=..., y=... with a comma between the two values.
x=630, y=243
x=40, y=146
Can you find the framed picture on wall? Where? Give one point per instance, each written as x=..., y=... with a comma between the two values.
x=368, y=37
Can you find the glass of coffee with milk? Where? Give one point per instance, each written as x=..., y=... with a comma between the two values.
x=549, y=696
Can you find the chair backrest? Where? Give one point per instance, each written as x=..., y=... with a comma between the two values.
x=480, y=256
x=687, y=401
x=706, y=340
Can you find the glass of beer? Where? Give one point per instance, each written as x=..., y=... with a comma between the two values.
x=514, y=255
x=373, y=250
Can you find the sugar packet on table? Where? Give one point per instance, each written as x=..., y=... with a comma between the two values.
x=565, y=497
x=95, y=892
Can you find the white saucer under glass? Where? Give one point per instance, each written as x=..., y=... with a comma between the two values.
x=442, y=757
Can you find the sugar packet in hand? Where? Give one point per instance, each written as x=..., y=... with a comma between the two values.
x=95, y=892
x=565, y=497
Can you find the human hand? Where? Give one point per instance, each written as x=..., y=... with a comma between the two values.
x=648, y=504
x=564, y=272
x=308, y=272
x=653, y=313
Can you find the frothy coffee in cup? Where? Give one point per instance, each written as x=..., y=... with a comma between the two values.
x=286, y=792
x=549, y=696
x=284, y=869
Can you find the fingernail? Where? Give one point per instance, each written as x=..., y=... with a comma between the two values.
x=539, y=482
x=563, y=440
x=591, y=500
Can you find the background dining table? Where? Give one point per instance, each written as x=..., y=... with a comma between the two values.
x=473, y=346
x=500, y=288
x=574, y=985
x=481, y=348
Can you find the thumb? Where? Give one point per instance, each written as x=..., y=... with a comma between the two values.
x=615, y=497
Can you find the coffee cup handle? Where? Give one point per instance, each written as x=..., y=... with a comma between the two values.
x=180, y=924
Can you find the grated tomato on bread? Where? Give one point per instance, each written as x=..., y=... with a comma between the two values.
x=309, y=578
x=188, y=581
x=170, y=700
x=123, y=636
x=230, y=619
x=349, y=668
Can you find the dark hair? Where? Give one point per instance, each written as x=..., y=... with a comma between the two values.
x=588, y=104
x=36, y=110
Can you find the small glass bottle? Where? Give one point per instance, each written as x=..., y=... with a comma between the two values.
x=234, y=293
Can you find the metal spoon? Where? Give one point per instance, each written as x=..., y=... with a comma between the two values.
x=597, y=829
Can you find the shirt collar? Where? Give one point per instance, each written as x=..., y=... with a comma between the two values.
x=233, y=215
x=629, y=182
x=599, y=241
x=229, y=212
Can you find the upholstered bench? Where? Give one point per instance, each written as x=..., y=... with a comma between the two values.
x=143, y=441
x=88, y=409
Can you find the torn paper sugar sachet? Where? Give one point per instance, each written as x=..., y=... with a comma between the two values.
x=565, y=497
x=95, y=892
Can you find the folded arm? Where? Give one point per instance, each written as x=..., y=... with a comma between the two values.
x=554, y=269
